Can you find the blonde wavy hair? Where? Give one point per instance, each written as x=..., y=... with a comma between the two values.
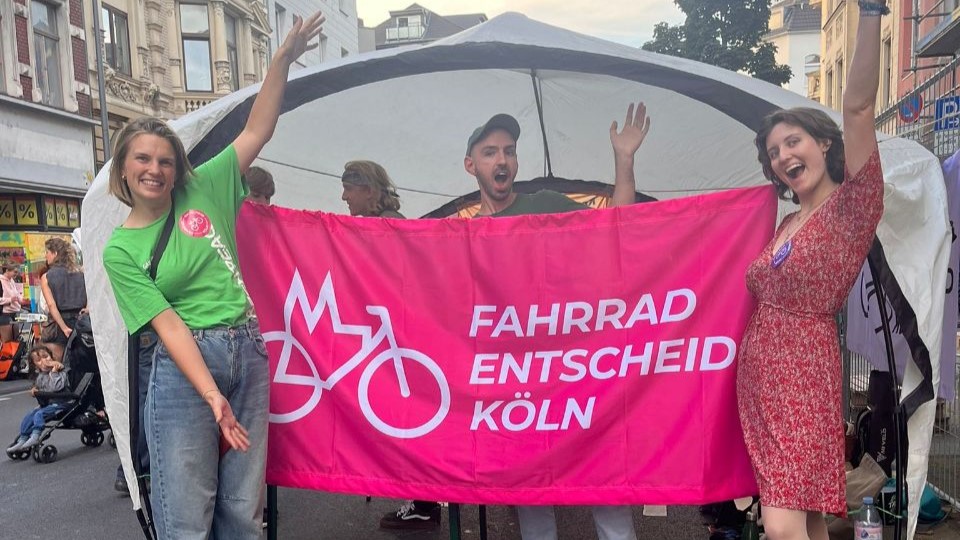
x=369, y=173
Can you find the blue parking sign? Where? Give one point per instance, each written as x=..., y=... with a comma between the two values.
x=947, y=113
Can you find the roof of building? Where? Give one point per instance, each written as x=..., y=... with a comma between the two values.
x=798, y=16
x=435, y=26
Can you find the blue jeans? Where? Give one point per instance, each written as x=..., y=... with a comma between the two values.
x=35, y=419
x=195, y=493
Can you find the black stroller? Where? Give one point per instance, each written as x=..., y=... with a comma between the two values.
x=85, y=398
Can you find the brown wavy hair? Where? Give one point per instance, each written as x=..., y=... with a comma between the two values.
x=145, y=126
x=369, y=173
x=260, y=182
x=66, y=256
x=819, y=126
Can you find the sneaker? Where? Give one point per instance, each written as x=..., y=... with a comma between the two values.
x=17, y=445
x=31, y=442
x=120, y=484
x=411, y=517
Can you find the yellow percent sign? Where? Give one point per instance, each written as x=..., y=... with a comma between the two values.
x=27, y=212
x=6, y=211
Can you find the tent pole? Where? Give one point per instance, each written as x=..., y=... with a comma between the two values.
x=901, y=470
x=543, y=129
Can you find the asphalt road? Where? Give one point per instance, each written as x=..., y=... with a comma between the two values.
x=74, y=498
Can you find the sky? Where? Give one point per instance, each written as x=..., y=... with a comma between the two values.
x=624, y=21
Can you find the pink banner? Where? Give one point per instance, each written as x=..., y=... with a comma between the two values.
x=580, y=358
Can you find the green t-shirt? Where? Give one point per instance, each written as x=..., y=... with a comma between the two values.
x=198, y=275
x=541, y=202
x=392, y=214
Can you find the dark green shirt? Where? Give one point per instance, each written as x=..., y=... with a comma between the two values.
x=541, y=202
x=392, y=214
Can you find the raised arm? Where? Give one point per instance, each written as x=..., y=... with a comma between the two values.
x=625, y=146
x=266, y=108
x=860, y=96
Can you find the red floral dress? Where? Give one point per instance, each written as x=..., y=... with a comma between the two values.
x=789, y=373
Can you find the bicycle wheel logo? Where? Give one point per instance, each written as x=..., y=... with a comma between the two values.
x=372, y=339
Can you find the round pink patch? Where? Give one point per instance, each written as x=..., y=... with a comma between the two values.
x=195, y=223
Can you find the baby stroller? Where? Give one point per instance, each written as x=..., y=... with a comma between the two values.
x=85, y=398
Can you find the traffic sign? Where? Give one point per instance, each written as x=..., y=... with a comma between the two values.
x=910, y=108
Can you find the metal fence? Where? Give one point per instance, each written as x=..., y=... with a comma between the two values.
x=931, y=116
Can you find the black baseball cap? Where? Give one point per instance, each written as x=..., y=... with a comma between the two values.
x=498, y=121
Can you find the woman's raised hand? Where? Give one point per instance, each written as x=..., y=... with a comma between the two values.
x=298, y=39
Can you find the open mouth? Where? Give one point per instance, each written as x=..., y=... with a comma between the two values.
x=795, y=170
x=500, y=177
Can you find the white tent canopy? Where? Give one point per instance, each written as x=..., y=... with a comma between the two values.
x=412, y=109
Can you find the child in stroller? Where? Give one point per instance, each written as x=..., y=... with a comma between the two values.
x=81, y=408
x=51, y=379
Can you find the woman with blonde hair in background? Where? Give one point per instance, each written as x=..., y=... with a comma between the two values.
x=369, y=191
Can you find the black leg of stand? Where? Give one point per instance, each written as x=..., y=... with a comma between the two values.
x=453, y=515
x=272, y=512
x=483, y=522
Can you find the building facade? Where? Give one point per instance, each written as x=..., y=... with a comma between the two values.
x=340, y=36
x=163, y=58
x=837, y=39
x=46, y=136
x=795, y=30
x=166, y=58
x=417, y=25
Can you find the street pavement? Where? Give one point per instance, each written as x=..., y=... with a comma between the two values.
x=74, y=498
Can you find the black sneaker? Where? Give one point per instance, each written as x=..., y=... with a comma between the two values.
x=120, y=484
x=409, y=516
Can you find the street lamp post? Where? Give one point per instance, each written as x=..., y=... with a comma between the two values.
x=104, y=125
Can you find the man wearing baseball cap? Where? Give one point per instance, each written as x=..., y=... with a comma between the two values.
x=491, y=158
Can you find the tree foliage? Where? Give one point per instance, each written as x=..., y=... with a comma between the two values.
x=724, y=33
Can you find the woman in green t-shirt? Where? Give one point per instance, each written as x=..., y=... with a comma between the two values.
x=211, y=357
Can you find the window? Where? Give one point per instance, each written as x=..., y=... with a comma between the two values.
x=281, y=22
x=195, y=29
x=828, y=89
x=231, y=25
x=402, y=22
x=886, y=66
x=839, y=94
x=46, y=47
x=116, y=39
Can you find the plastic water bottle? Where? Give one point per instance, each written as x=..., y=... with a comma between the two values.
x=868, y=525
x=750, y=530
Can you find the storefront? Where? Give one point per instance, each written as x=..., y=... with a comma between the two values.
x=27, y=220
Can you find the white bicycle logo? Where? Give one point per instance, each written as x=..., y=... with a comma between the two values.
x=370, y=341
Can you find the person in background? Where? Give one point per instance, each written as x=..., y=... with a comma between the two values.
x=789, y=371
x=64, y=291
x=10, y=301
x=261, y=185
x=369, y=191
x=51, y=377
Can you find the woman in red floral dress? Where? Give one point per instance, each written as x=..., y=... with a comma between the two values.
x=789, y=370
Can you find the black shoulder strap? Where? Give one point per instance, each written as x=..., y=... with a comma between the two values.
x=162, y=242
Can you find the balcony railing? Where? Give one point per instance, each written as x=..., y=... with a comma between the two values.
x=405, y=33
